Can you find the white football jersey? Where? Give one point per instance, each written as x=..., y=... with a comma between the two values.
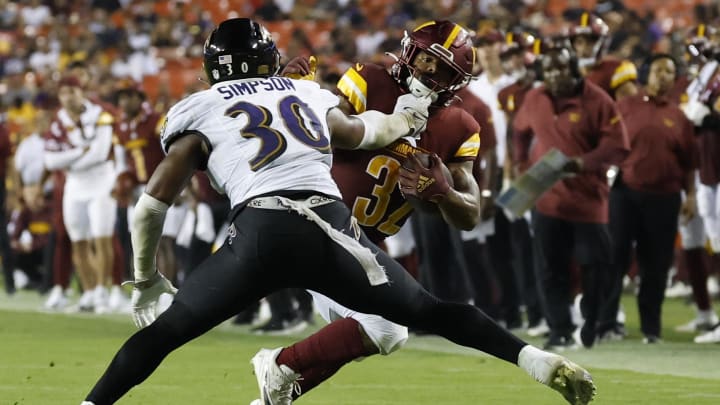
x=264, y=135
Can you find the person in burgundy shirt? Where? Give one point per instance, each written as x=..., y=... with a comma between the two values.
x=518, y=56
x=5, y=153
x=138, y=153
x=646, y=197
x=579, y=119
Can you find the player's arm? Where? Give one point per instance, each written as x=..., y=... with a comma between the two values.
x=461, y=205
x=185, y=155
x=373, y=129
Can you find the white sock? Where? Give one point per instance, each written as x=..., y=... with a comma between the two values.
x=538, y=363
x=706, y=315
x=87, y=403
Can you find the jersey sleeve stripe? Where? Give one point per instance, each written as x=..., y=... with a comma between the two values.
x=469, y=148
x=354, y=88
x=625, y=72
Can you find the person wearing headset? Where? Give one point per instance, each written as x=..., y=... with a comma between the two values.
x=570, y=220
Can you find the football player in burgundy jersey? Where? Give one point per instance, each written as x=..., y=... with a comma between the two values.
x=589, y=39
x=369, y=180
x=701, y=47
x=436, y=60
x=702, y=107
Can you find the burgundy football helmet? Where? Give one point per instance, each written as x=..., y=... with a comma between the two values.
x=593, y=27
x=519, y=42
x=445, y=40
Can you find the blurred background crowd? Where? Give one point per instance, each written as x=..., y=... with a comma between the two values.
x=135, y=58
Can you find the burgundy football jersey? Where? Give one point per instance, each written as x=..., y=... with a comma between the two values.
x=368, y=179
x=140, y=138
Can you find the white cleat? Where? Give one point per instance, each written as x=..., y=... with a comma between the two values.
x=709, y=337
x=573, y=382
x=56, y=299
x=118, y=301
x=276, y=383
x=699, y=324
x=541, y=329
x=101, y=296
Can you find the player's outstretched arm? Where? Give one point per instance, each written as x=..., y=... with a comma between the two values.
x=185, y=156
x=373, y=129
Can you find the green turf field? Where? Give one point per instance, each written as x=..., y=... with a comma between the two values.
x=53, y=359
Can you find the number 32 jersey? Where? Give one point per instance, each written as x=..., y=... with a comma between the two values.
x=368, y=179
x=263, y=135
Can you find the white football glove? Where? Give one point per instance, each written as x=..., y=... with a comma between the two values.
x=416, y=108
x=145, y=295
x=695, y=111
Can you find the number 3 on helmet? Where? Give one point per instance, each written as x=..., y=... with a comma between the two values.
x=240, y=48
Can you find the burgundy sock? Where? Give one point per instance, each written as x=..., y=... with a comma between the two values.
x=320, y=355
x=698, y=275
x=118, y=267
x=62, y=261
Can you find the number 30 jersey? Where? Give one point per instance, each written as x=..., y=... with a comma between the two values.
x=263, y=135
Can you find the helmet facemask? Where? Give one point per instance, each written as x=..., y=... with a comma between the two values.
x=423, y=84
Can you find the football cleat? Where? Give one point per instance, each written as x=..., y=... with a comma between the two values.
x=699, y=324
x=276, y=382
x=709, y=337
x=573, y=382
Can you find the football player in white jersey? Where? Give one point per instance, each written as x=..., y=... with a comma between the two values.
x=266, y=142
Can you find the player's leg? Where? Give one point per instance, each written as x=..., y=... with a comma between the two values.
x=220, y=287
x=402, y=300
x=622, y=225
x=102, y=211
x=655, y=247
x=350, y=335
x=593, y=252
x=554, y=241
x=694, y=256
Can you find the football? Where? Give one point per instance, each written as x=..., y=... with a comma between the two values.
x=424, y=205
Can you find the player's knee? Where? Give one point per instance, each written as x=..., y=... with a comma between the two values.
x=178, y=322
x=386, y=336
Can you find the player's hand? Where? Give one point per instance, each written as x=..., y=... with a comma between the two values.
x=301, y=67
x=145, y=295
x=695, y=111
x=425, y=183
x=416, y=110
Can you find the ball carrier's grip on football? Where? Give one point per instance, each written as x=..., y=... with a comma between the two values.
x=424, y=176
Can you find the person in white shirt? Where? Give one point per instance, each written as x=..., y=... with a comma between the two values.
x=80, y=143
